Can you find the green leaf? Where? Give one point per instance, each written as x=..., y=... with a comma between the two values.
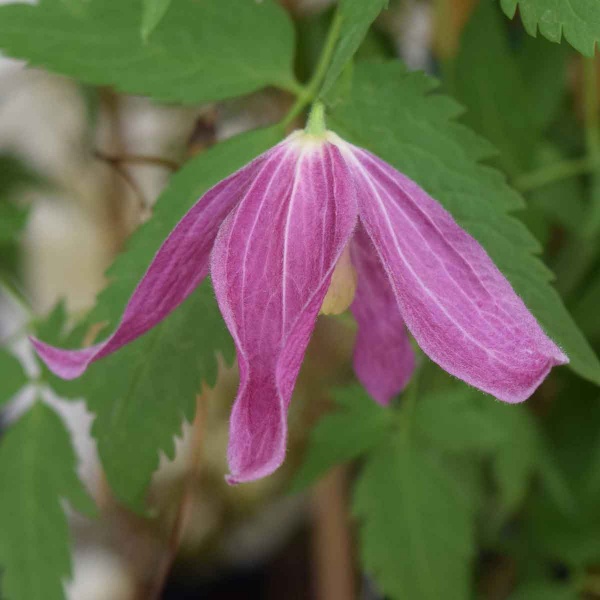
x=203, y=51
x=416, y=534
x=561, y=202
x=344, y=435
x=545, y=590
x=12, y=217
x=393, y=113
x=12, y=376
x=153, y=13
x=37, y=472
x=12, y=221
x=577, y=20
x=355, y=17
x=455, y=420
x=517, y=455
x=585, y=309
x=543, y=68
x=497, y=99
x=141, y=394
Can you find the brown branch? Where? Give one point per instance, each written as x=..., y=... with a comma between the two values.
x=137, y=159
x=332, y=541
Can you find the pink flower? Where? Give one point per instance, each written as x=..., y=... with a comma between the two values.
x=316, y=225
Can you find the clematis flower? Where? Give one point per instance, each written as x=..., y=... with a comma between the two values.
x=319, y=225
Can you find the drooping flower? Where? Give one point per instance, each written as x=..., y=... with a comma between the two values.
x=319, y=225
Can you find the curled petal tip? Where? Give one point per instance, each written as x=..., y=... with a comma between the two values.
x=459, y=307
x=67, y=364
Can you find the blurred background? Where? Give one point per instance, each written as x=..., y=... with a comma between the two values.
x=80, y=170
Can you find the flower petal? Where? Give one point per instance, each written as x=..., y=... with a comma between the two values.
x=459, y=307
x=383, y=357
x=180, y=265
x=271, y=267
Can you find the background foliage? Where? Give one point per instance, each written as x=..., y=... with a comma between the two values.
x=447, y=477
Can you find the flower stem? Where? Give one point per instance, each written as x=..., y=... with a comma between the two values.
x=316, y=120
x=311, y=90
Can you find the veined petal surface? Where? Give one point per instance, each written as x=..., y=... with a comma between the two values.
x=383, y=358
x=271, y=267
x=180, y=265
x=461, y=310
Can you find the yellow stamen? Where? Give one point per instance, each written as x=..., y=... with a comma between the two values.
x=342, y=287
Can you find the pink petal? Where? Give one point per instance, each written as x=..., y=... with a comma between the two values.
x=383, y=357
x=459, y=307
x=178, y=268
x=271, y=267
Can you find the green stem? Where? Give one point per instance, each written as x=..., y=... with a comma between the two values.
x=310, y=91
x=316, y=120
x=556, y=172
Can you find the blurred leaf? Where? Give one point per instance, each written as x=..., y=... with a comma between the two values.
x=202, y=52
x=562, y=202
x=585, y=309
x=153, y=13
x=12, y=217
x=416, y=533
x=393, y=113
x=543, y=68
x=12, y=221
x=577, y=20
x=13, y=174
x=37, y=472
x=356, y=18
x=141, y=393
x=570, y=536
x=454, y=420
x=517, y=455
x=497, y=98
x=12, y=376
x=344, y=435
x=545, y=590
x=515, y=102
x=311, y=31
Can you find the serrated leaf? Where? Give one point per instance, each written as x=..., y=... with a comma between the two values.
x=202, y=52
x=141, y=394
x=37, y=472
x=578, y=21
x=356, y=17
x=416, y=532
x=12, y=376
x=153, y=13
x=344, y=435
x=393, y=113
